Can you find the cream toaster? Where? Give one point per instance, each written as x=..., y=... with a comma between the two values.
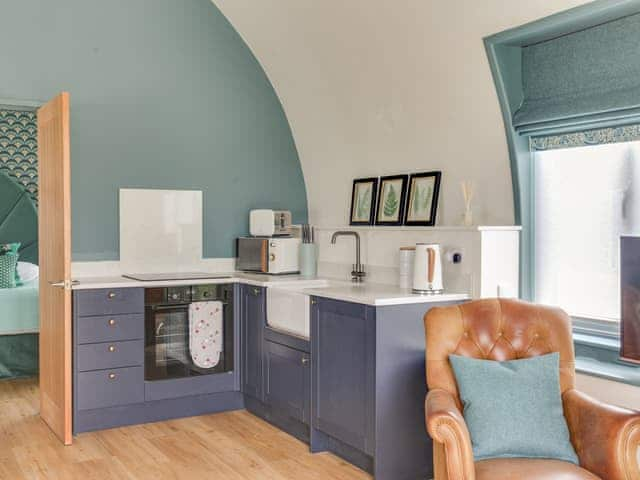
x=269, y=223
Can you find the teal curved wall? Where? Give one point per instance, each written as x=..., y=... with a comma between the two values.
x=164, y=94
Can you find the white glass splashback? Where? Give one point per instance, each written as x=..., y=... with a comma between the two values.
x=160, y=230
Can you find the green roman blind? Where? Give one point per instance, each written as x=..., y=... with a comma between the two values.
x=585, y=79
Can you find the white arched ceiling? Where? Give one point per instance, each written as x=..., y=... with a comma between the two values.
x=376, y=87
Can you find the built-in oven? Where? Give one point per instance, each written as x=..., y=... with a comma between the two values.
x=170, y=351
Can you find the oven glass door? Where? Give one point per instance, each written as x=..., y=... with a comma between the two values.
x=167, y=352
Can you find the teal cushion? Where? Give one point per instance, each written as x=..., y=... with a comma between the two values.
x=10, y=249
x=514, y=408
x=8, y=264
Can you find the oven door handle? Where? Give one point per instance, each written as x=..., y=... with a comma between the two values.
x=179, y=306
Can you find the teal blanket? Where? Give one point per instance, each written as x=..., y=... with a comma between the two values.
x=19, y=309
x=18, y=356
x=19, y=324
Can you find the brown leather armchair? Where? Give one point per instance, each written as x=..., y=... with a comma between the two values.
x=606, y=438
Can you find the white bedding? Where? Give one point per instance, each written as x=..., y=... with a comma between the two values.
x=19, y=309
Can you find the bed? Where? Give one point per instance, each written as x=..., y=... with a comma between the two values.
x=19, y=307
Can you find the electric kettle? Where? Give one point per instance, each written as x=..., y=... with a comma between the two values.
x=427, y=269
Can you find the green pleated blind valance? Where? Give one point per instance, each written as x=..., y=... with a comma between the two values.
x=589, y=78
x=585, y=138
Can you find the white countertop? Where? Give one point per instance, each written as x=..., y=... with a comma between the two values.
x=378, y=294
x=363, y=293
x=256, y=279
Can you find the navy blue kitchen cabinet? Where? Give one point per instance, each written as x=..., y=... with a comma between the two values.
x=368, y=387
x=275, y=368
x=355, y=388
x=343, y=350
x=253, y=320
x=287, y=379
x=109, y=387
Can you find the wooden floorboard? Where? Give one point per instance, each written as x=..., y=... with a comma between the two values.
x=232, y=445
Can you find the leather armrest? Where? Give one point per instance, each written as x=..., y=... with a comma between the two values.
x=446, y=425
x=606, y=438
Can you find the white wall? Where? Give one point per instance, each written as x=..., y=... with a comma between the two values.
x=373, y=87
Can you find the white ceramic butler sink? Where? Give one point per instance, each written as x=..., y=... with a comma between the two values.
x=288, y=307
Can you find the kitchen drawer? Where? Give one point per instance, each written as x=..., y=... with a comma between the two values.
x=109, y=328
x=98, y=356
x=109, y=301
x=109, y=388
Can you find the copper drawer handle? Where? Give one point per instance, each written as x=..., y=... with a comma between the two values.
x=112, y=322
x=112, y=348
x=112, y=376
x=111, y=295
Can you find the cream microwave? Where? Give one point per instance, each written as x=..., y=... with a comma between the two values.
x=275, y=256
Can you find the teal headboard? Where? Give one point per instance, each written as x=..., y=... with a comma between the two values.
x=18, y=219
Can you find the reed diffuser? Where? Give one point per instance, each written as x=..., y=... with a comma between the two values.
x=467, y=195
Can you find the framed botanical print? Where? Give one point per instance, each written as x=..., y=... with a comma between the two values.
x=422, y=205
x=363, y=201
x=391, y=200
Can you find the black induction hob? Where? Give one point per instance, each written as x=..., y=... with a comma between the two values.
x=161, y=277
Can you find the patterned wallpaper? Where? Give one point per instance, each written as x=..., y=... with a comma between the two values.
x=19, y=149
x=626, y=133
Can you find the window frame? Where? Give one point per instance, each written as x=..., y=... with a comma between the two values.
x=595, y=327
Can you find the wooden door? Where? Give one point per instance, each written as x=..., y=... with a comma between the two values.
x=54, y=236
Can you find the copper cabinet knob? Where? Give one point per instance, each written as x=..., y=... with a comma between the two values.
x=112, y=376
x=112, y=322
x=112, y=348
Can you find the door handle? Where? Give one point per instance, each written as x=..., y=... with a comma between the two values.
x=67, y=284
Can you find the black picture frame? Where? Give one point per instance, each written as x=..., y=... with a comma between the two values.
x=411, y=219
x=380, y=208
x=360, y=219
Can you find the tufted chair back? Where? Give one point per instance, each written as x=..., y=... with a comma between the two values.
x=495, y=329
